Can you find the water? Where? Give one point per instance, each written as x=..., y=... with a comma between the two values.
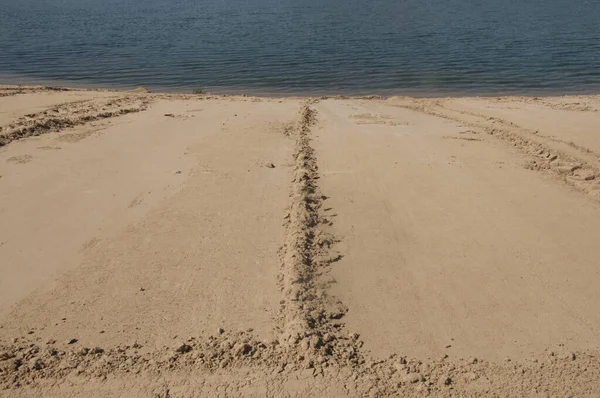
x=306, y=46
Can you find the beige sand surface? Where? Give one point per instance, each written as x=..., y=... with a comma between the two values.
x=197, y=245
x=450, y=245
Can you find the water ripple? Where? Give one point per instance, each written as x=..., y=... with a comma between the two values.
x=306, y=46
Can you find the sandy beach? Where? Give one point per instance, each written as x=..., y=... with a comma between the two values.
x=173, y=245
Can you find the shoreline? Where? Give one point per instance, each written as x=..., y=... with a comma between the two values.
x=224, y=92
x=241, y=94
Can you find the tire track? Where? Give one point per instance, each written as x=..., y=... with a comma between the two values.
x=70, y=115
x=578, y=172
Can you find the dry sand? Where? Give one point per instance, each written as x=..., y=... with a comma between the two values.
x=156, y=245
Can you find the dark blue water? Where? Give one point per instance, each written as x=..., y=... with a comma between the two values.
x=306, y=46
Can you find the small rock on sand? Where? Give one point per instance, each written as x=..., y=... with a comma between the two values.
x=445, y=380
x=242, y=349
x=184, y=348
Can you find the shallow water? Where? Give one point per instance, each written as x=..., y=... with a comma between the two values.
x=306, y=46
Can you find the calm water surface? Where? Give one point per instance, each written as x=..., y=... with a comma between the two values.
x=306, y=46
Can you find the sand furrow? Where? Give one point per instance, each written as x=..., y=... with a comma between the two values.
x=297, y=250
x=309, y=317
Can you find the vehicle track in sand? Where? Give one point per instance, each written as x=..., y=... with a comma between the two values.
x=568, y=162
x=70, y=115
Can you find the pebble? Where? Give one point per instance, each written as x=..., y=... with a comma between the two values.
x=242, y=349
x=184, y=348
x=270, y=165
x=16, y=364
x=72, y=341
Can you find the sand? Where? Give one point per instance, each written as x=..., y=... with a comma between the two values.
x=201, y=245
